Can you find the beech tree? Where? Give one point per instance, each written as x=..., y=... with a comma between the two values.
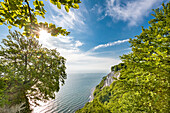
x=20, y=14
x=26, y=69
x=29, y=71
x=147, y=75
x=143, y=86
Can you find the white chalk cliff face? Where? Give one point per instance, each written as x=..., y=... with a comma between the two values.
x=91, y=95
x=107, y=82
x=110, y=79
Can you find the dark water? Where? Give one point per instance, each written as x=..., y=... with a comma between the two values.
x=73, y=95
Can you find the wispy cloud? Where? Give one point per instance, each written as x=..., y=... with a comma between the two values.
x=128, y=49
x=100, y=11
x=77, y=60
x=85, y=63
x=78, y=43
x=74, y=19
x=61, y=43
x=110, y=44
x=131, y=11
x=94, y=7
x=69, y=46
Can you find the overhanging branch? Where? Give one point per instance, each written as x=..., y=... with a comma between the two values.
x=29, y=10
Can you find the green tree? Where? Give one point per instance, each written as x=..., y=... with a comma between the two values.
x=94, y=107
x=18, y=13
x=28, y=71
x=143, y=86
x=148, y=70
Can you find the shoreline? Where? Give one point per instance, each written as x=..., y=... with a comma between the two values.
x=91, y=97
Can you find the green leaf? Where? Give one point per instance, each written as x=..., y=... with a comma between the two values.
x=66, y=8
x=38, y=60
x=9, y=27
x=76, y=6
x=59, y=5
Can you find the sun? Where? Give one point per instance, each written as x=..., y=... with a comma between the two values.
x=44, y=34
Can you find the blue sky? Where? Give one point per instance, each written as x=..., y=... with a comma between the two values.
x=100, y=30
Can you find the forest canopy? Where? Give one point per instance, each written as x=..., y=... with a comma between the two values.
x=28, y=71
x=143, y=85
x=19, y=13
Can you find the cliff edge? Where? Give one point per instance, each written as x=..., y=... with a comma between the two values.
x=106, y=81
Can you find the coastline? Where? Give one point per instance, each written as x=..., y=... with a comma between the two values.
x=91, y=97
x=107, y=82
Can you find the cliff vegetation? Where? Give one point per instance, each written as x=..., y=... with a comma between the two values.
x=143, y=86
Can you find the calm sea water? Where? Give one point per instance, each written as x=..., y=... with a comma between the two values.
x=73, y=95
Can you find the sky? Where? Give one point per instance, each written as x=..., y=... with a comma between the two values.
x=100, y=31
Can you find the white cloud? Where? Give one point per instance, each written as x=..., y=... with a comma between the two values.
x=77, y=60
x=97, y=8
x=86, y=63
x=102, y=17
x=94, y=7
x=128, y=49
x=65, y=39
x=109, y=44
x=68, y=46
x=131, y=11
x=100, y=10
x=74, y=19
x=78, y=43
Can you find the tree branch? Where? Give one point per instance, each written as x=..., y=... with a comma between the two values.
x=29, y=10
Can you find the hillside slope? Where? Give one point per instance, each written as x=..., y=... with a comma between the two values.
x=143, y=85
x=102, y=93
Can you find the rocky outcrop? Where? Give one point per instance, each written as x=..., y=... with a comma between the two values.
x=109, y=79
x=91, y=95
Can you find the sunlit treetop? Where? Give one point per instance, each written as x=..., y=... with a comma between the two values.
x=20, y=14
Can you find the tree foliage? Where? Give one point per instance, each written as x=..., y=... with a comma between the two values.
x=118, y=67
x=94, y=107
x=27, y=70
x=143, y=86
x=19, y=13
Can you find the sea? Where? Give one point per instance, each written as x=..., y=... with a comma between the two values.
x=73, y=95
